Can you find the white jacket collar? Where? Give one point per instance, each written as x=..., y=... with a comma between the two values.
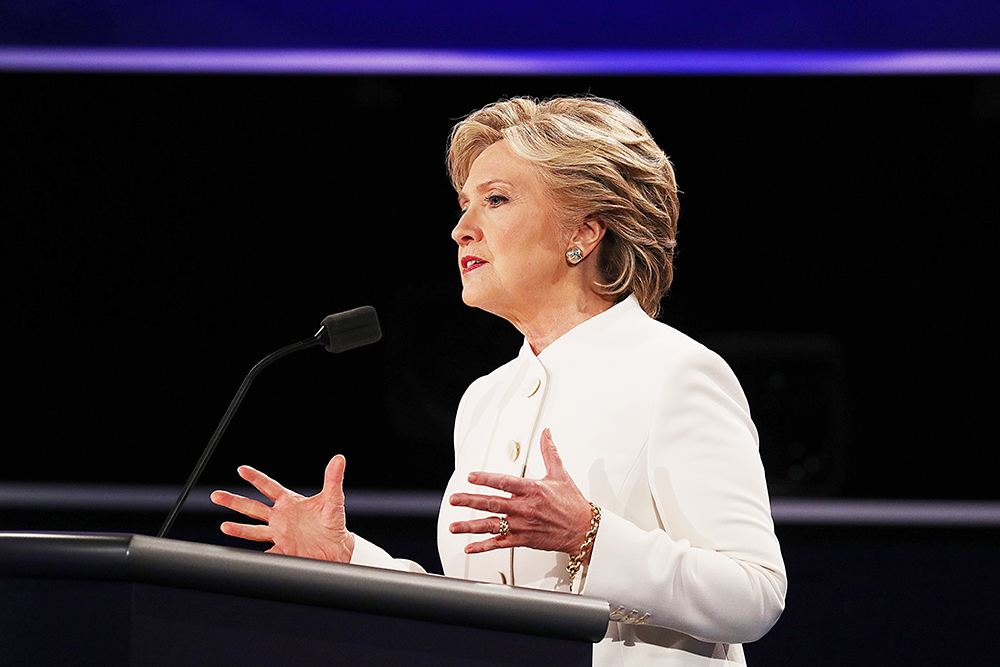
x=588, y=333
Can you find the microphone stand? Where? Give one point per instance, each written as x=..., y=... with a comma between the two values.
x=221, y=428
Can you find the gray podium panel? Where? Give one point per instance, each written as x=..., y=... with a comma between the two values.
x=138, y=601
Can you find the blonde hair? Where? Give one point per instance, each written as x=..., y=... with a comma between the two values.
x=601, y=163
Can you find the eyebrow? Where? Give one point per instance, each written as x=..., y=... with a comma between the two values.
x=485, y=185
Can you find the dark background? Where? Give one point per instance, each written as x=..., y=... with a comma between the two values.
x=514, y=24
x=161, y=233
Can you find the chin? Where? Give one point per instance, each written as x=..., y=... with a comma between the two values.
x=473, y=299
x=468, y=297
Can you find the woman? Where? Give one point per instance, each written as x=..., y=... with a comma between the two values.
x=655, y=499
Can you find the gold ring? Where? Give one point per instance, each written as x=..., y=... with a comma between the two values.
x=504, y=527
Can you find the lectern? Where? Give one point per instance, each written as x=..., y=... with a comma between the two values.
x=88, y=599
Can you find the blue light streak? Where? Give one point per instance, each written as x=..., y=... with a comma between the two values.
x=511, y=62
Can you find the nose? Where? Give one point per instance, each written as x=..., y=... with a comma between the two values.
x=466, y=231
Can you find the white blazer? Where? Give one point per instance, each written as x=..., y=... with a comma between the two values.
x=653, y=428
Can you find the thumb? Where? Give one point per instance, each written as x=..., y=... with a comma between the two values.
x=554, y=467
x=333, y=481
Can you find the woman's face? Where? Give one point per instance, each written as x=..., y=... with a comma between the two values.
x=511, y=247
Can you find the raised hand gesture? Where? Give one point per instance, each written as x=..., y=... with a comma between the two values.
x=314, y=527
x=550, y=514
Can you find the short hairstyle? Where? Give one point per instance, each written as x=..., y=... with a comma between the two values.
x=600, y=162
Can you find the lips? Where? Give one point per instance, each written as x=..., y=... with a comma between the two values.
x=471, y=263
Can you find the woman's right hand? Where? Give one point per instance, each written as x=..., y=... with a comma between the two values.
x=314, y=527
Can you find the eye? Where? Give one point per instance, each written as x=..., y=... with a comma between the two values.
x=495, y=200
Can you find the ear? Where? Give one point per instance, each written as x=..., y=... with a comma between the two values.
x=588, y=235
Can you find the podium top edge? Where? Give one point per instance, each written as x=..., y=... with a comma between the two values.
x=241, y=572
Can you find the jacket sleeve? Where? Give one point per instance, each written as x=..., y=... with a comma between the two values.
x=367, y=553
x=712, y=569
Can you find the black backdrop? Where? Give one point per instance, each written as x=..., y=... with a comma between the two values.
x=163, y=233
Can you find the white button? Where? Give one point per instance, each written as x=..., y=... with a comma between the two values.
x=513, y=449
x=531, y=387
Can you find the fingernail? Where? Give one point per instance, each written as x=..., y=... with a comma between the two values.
x=473, y=477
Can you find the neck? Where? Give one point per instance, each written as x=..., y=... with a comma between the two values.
x=547, y=324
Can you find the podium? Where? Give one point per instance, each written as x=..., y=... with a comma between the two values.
x=133, y=600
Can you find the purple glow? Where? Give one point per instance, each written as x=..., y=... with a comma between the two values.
x=46, y=496
x=373, y=61
x=846, y=512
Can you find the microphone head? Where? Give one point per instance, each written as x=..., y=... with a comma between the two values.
x=350, y=329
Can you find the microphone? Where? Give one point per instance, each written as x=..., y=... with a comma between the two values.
x=350, y=329
x=337, y=333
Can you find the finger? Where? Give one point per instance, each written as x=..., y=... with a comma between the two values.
x=515, y=485
x=488, y=526
x=257, y=533
x=498, y=542
x=554, y=467
x=491, y=504
x=251, y=508
x=262, y=482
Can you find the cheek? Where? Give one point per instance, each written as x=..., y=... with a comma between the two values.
x=532, y=267
x=527, y=250
x=535, y=241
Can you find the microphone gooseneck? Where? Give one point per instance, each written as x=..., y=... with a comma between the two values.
x=338, y=333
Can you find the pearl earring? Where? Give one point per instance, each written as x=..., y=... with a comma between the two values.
x=574, y=255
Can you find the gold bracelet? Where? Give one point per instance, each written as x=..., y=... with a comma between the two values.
x=576, y=562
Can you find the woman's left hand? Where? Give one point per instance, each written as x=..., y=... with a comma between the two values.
x=549, y=514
